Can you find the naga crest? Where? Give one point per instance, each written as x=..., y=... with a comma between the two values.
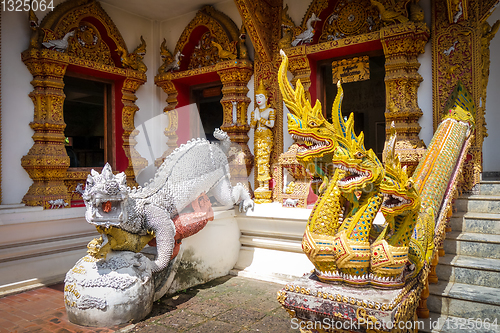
x=362, y=166
x=400, y=194
x=306, y=124
x=105, y=197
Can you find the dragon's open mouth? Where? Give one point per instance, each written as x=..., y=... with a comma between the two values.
x=392, y=201
x=106, y=210
x=353, y=175
x=309, y=144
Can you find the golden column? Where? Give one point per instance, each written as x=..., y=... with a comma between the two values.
x=235, y=80
x=47, y=161
x=135, y=161
x=300, y=67
x=402, y=44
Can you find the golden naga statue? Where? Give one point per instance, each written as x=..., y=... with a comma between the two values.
x=340, y=239
x=262, y=121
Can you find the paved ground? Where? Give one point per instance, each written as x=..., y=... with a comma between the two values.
x=227, y=304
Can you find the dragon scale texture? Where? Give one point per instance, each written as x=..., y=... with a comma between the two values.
x=194, y=168
x=340, y=239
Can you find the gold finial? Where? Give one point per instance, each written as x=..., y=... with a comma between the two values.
x=261, y=90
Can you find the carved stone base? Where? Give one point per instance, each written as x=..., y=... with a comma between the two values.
x=111, y=291
x=323, y=307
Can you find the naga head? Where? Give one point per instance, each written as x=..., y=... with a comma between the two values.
x=400, y=194
x=105, y=197
x=306, y=124
x=363, y=170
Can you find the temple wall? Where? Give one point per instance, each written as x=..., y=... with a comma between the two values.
x=17, y=107
x=425, y=88
x=491, y=157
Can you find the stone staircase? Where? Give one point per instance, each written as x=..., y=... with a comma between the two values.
x=469, y=272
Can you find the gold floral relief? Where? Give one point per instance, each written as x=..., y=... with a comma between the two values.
x=460, y=52
x=73, y=15
x=221, y=32
x=263, y=24
x=350, y=18
x=87, y=44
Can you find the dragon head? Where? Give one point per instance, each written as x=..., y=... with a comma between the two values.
x=400, y=194
x=306, y=124
x=362, y=167
x=105, y=198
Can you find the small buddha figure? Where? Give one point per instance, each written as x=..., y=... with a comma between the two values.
x=262, y=121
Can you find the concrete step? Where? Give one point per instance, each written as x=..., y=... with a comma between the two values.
x=472, y=244
x=489, y=187
x=448, y=324
x=469, y=270
x=464, y=301
x=478, y=203
x=484, y=223
x=18, y=208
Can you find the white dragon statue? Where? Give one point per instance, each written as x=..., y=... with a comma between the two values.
x=129, y=218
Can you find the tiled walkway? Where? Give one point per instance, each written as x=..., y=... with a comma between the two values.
x=40, y=310
x=227, y=304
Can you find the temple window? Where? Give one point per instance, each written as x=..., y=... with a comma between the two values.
x=207, y=100
x=365, y=98
x=88, y=117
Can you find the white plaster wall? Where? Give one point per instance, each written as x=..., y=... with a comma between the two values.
x=297, y=9
x=425, y=88
x=17, y=108
x=491, y=157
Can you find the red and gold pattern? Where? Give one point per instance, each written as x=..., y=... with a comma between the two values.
x=47, y=161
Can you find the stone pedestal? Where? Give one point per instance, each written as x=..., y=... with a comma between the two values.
x=111, y=291
x=319, y=307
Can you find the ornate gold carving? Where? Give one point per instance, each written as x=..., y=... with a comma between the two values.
x=262, y=20
x=402, y=45
x=218, y=28
x=73, y=15
x=134, y=60
x=135, y=161
x=351, y=70
x=298, y=189
x=460, y=52
x=205, y=53
x=457, y=10
x=235, y=78
x=47, y=161
x=234, y=75
x=173, y=117
x=350, y=18
x=392, y=14
x=281, y=296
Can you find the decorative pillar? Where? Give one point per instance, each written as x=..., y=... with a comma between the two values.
x=402, y=44
x=460, y=52
x=235, y=80
x=300, y=67
x=173, y=118
x=135, y=161
x=47, y=161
